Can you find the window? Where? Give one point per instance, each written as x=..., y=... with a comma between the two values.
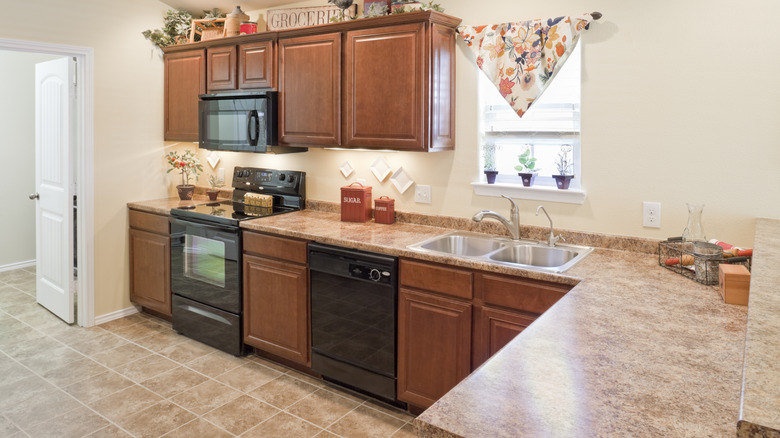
x=552, y=121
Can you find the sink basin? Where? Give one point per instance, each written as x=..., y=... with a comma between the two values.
x=501, y=250
x=543, y=256
x=462, y=244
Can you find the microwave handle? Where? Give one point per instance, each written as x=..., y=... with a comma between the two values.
x=253, y=116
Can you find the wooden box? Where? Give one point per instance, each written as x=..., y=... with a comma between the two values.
x=356, y=203
x=384, y=210
x=734, y=284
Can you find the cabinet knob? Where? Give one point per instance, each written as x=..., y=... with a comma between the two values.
x=35, y=196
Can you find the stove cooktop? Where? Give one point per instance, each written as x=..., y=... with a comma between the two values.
x=287, y=188
x=228, y=212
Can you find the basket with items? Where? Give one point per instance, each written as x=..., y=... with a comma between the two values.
x=701, y=260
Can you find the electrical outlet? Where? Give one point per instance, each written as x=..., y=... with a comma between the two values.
x=651, y=214
x=422, y=194
x=221, y=175
x=361, y=181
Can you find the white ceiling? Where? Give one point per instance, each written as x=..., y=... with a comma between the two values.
x=196, y=7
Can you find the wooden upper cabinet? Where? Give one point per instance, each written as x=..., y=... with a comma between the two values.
x=310, y=90
x=385, y=78
x=442, y=88
x=185, y=79
x=256, y=65
x=221, y=68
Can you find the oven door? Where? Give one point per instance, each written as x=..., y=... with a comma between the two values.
x=206, y=263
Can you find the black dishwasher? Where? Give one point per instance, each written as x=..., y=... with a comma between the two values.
x=353, y=318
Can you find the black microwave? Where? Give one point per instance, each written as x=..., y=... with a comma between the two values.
x=240, y=121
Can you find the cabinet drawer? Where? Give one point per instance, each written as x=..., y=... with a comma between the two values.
x=154, y=223
x=437, y=278
x=281, y=248
x=528, y=295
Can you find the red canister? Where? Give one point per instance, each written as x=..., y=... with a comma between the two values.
x=248, y=27
x=384, y=210
x=356, y=203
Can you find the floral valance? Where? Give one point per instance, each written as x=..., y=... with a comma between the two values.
x=521, y=58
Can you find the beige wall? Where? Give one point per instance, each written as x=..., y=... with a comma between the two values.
x=673, y=111
x=678, y=105
x=128, y=103
x=17, y=149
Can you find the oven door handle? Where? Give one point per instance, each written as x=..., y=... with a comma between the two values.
x=200, y=224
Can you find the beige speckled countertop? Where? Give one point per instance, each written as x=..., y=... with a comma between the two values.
x=760, y=414
x=633, y=350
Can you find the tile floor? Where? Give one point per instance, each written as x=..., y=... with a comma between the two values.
x=136, y=377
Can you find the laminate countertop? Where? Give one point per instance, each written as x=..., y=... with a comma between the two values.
x=633, y=349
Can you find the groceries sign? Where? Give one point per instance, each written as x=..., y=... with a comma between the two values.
x=280, y=19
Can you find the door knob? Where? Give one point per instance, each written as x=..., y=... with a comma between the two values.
x=35, y=196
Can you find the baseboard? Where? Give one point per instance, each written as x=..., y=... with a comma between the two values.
x=102, y=319
x=18, y=265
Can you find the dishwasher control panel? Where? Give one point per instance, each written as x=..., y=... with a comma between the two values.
x=366, y=272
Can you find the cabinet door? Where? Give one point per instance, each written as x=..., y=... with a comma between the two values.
x=221, y=68
x=386, y=81
x=310, y=90
x=256, y=67
x=150, y=270
x=434, y=346
x=494, y=329
x=276, y=308
x=442, y=88
x=185, y=79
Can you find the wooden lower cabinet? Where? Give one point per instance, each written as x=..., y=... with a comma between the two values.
x=451, y=320
x=276, y=305
x=434, y=345
x=494, y=328
x=150, y=262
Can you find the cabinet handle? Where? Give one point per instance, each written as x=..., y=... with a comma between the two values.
x=35, y=196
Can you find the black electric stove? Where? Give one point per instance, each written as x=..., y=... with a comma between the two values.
x=206, y=251
x=288, y=188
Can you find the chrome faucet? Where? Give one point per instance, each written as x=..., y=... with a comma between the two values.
x=513, y=225
x=552, y=239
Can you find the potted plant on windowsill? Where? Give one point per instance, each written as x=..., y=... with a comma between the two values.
x=565, y=164
x=187, y=164
x=489, y=160
x=527, y=169
x=215, y=184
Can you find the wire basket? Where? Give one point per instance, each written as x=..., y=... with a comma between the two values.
x=696, y=260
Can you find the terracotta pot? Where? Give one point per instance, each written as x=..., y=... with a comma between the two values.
x=212, y=194
x=185, y=192
x=491, y=176
x=563, y=181
x=528, y=178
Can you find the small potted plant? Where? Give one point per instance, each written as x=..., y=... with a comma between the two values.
x=565, y=164
x=187, y=164
x=527, y=169
x=489, y=159
x=215, y=184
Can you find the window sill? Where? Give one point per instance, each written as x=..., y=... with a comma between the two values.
x=570, y=196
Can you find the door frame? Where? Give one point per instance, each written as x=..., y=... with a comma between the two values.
x=83, y=150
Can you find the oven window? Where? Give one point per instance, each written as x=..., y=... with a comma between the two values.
x=204, y=260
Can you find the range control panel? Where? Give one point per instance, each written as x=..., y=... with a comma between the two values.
x=256, y=179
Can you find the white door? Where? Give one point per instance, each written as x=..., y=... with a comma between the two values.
x=54, y=103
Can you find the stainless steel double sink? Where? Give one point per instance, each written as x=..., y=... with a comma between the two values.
x=525, y=254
